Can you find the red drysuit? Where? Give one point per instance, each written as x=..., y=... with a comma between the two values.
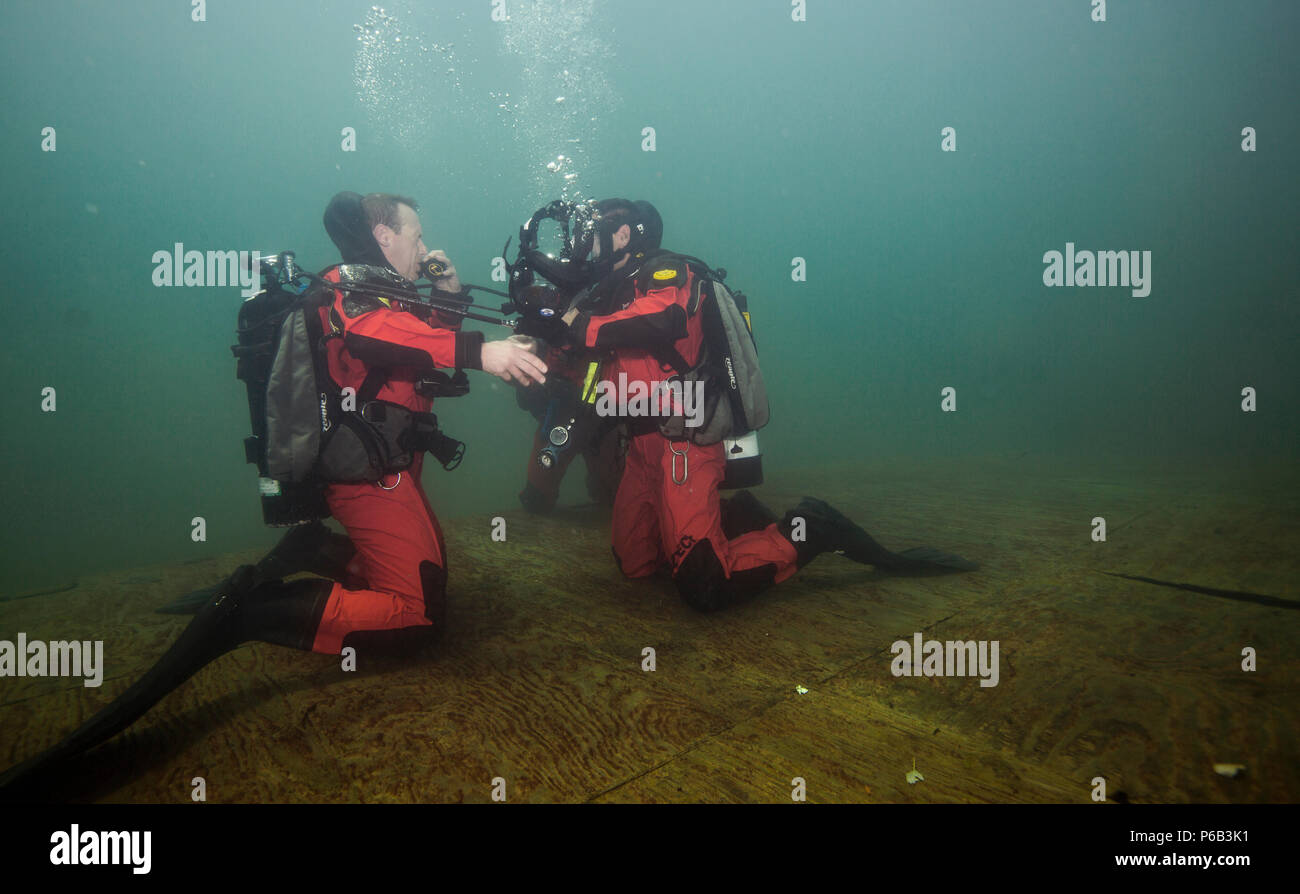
x=667, y=507
x=400, y=550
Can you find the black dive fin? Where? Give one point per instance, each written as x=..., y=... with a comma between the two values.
x=928, y=560
x=190, y=603
x=858, y=545
x=215, y=631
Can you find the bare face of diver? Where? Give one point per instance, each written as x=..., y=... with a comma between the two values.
x=403, y=247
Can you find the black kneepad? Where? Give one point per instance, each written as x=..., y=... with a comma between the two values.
x=702, y=580
x=704, y=584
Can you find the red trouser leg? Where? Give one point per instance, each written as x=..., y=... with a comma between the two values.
x=636, y=511
x=656, y=516
x=401, y=555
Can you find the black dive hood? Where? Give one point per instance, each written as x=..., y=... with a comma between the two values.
x=345, y=221
x=587, y=252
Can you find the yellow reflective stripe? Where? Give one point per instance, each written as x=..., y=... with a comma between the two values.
x=386, y=302
x=749, y=325
x=589, y=386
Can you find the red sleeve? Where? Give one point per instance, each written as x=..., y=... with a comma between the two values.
x=654, y=318
x=378, y=335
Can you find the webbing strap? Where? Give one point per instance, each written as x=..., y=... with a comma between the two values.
x=375, y=379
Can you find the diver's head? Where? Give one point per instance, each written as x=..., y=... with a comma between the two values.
x=596, y=238
x=395, y=227
x=624, y=231
x=380, y=229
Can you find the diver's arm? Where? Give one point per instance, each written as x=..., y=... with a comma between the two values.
x=381, y=336
x=655, y=319
x=391, y=338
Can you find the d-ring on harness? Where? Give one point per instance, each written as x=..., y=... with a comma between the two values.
x=380, y=483
x=686, y=469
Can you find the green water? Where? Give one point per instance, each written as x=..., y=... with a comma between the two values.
x=775, y=139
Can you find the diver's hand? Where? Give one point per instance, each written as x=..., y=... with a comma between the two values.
x=448, y=281
x=533, y=345
x=513, y=362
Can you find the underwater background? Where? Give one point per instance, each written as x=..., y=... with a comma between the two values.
x=774, y=140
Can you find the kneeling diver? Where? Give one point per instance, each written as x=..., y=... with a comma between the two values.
x=385, y=591
x=666, y=318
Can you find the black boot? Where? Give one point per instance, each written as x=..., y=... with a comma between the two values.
x=535, y=501
x=825, y=529
x=311, y=548
x=246, y=608
x=742, y=513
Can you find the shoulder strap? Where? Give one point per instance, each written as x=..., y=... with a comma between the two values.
x=672, y=358
x=375, y=379
x=376, y=376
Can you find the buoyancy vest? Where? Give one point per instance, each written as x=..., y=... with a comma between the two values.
x=306, y=428
x=735, y=396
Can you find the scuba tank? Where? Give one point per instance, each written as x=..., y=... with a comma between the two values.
x=744, y=462
x=744, y=459
x=735, y=395
x=284, y=503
